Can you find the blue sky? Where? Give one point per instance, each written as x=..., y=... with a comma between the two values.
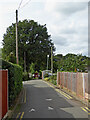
x=66, y=21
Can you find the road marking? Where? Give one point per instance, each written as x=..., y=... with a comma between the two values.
x=18, y=115
x=85, y=109
x=67, y=95
x=48, y=84
x=32, y=110
x=50, y=108
x=48, y=99
x=21, y=115
x=64, y=94
x=25, y=97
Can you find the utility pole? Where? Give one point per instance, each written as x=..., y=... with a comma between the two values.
x=51, y=61
x=17, y=36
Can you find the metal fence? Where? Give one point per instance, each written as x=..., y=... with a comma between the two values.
x=45, y=72
x=77, y=83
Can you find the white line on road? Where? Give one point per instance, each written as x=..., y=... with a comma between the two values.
x=50, y=108
x=48, y=99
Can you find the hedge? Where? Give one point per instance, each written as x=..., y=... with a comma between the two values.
x=15, y=74
x=25, y=76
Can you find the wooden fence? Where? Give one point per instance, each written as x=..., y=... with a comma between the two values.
x=75, y=82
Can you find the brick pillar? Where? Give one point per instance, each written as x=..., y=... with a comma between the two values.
x=3, y=93
x=0, y=94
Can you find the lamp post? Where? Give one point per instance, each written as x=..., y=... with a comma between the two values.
x=47, y=61
x=51, y=61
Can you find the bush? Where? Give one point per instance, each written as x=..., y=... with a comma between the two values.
x=40, y=73
x=46, y=79
x=53, y=79
x=46, y=75
x=14, y=80
x=25, y=76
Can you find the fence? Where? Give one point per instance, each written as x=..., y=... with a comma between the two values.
x=3, y=93
x=44, y=72
x=77, y=83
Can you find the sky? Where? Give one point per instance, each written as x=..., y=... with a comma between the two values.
x=66, y=21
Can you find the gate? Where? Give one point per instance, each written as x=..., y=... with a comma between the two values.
x=3, y=93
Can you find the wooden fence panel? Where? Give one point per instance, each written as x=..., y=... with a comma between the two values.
x=75, y=82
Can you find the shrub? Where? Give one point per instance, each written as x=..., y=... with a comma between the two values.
x=53, y=79
x=25, y=76
x=32, y=68
x=14, y=80
x=47, y=79
x=46, y=75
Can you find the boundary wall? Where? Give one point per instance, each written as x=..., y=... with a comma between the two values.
x=3, y=93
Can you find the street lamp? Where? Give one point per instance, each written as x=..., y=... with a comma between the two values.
x=47, y=61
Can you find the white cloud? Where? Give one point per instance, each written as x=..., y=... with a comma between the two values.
x=66, y=22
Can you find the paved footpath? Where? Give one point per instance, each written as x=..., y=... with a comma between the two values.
x=42, y=100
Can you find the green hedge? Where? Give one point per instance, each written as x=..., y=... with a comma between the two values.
x=46, y=75
x=15, y=74
x=25, y=76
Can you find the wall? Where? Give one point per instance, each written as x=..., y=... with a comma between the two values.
x=3, y=93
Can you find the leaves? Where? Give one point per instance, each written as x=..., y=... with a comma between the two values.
x=33, y=39
x=70, y=62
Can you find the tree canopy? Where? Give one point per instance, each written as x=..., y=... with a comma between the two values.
x=70, y=62
x=33, y=39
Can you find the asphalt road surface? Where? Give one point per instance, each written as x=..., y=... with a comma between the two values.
x=41, y=100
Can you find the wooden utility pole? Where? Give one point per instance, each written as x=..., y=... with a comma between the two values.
x=17, y=36
x=51, y=61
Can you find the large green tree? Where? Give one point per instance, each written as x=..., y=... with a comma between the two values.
x=70, y=62
x=34, y=43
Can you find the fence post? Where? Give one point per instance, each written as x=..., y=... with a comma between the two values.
x=76, y=83
x=83, y=86
x=42, y=75
x=63, y=78
x=67, y=81
x=60, y=78
x=57, y=78
x=71, y=81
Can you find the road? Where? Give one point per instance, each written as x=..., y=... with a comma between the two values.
x=42, y=100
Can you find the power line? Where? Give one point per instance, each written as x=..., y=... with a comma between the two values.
x=25, y=4
x=20, y=4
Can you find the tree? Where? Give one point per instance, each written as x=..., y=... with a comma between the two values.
x=0, y=53
x=34, y=43
x=72, y=62
x=32, y=68
x=11, y=58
